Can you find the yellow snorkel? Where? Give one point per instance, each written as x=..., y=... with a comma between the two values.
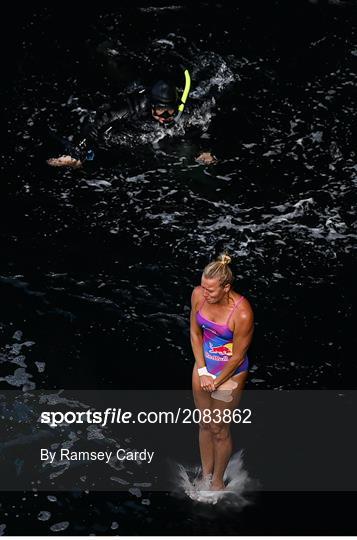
x=184, y=95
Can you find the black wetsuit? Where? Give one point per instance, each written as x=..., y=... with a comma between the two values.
x=128, y=123
x=115, y=124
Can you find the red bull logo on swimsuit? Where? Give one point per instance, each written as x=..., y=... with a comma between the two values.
x=222, y=350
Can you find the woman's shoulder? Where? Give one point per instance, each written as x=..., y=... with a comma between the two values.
x=197, y=295
x=243, y=308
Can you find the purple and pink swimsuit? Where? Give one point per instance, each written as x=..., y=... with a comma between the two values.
x=218, y=343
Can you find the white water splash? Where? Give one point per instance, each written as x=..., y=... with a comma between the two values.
x=220, y=75
x=44, y=515
x=58, y=527
x=99, y=184
x=236, y=478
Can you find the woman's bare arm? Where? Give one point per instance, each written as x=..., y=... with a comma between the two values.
x=195, y=330
x=206, y=381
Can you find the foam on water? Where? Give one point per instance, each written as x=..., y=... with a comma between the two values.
x=236, y=478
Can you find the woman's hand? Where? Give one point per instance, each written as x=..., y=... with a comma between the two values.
x=207, y=383
x=64, y=161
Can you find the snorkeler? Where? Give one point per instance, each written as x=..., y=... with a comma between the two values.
x=159, y=104
x=221, y=332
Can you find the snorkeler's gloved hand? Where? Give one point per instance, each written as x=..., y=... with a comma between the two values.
x=65, y=161
x=206, y=158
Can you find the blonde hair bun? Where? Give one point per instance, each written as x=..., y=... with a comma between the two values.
x=220, y=269
x=224, y=258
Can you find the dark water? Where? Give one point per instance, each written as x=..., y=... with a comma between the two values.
x=102, y=261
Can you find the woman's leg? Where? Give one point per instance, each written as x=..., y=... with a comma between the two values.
x=203, y=401
x=222, y=439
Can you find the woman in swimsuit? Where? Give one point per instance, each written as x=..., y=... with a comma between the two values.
x=221, y=332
